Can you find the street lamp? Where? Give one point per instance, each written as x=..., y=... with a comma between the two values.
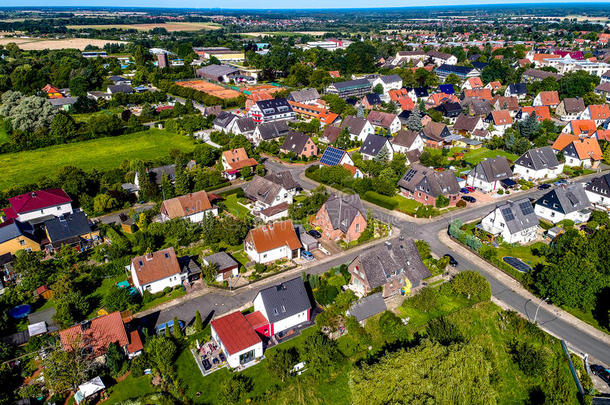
x=537, y=308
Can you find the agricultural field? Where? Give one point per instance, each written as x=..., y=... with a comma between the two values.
x=105, y=153
x=33, y=44
x=170, y=27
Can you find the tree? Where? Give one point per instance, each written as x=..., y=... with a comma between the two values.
x=472, y=285
x=161, y=352
x=198, y=322
x=281, y=361
x=32, y=113
x=426, y=374
x=177, y=329
x=181, y=181
x=210, y=271
x=441, y=201
x=383, y=156
x=104, y=203
x=453, y=79
x=343, y=141
x=391, y=327
x=443, y=331
x=114, y=359
x=319, y=352
x=529, y=126
x=235, y=388
x=378, y=89
x=167, y=188
x=62, y=128
x=117, y=299
x=64, y=370
x=148, y=189
x=414, y=121
x=577, y=84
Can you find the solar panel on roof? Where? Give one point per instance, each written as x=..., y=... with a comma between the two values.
x=508, y=214
x=332, y=156
x=410, y=175
x=526, y=208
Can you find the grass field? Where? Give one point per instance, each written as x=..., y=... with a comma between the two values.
x=475, y=156
x=105, y=153
x=33, y=44
x=4, y=137
x=170, y=27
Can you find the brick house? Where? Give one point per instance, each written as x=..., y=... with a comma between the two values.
x=424, y=184
x=300, y=144
x=341, y=218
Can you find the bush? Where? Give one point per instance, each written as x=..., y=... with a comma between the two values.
x=472, y=285
x=530, y=360
x=381, y=200
x=425, y=300
x=501, y=191
x=391, y=327
x=444, y=331
x=138, y=365
x=461, y=204
x=442, y=201
x=117, y=299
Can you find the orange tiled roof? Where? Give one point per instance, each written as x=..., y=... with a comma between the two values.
x=323, y=114
x=484, y=94
x=475, y=82
x=599, y=112
x=550, y=98
x=502, y=117
x=187, y=204
x=156, y=266
x=539, y=57
x=97, y=333
x=563, y=140
x=542, y=112
x=583, y=127
x=272, y=236
x=588, y=148
x=238, y=158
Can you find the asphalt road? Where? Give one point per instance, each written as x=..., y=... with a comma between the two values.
x=221, y=302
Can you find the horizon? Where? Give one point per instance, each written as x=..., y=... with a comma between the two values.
x=382, y=4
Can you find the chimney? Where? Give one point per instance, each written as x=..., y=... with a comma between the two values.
x=148, y=256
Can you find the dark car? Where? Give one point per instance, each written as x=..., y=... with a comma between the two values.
x=560, y=182
x=315, y=234
x=469, y=199
x=206, y=364
x=452, y=261
x=601, y=372
x=544, y=186
x=464, y=190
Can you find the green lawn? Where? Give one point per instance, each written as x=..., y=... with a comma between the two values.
x=4, y=137
x=129, y=388
x=97, y=296
x=85, y=116
x=406, y=205
x=522, y=252
x=102, y=154
x=474, y=156
x=447, y=304
x=235, y=208
x=168, y=297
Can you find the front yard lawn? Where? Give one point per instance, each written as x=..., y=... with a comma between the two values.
x=129, y=388
x=522, y=252
x=474, y=156
x=235, y=208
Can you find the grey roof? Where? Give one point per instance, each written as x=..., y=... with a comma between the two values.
x=67, y=226
x=120, y=88
x=304, y=95
x=600, y=185
x=224, y=119
x=15, y=229
x=354, y=124
x=541, y=74
x=246, y=124
x=478, y=106
x=188, y=265
x=285, y=300
x=216, y=70
x=465, y=123
x=284, y=179
x=390, y=79
x=431, y=182
x=573, y=105
x=156, y=173
x=565, y=199
x=342, y=210
x=492, y=169
x=352, y=83
x=373, y=144
x=261, y=189
x=222, y=259
x=272, y=130
x=518, y=215
x=437, y=54
x=59, y=102
x=538, y=159
x=368, y=306
x=405, y=138
x=385, y=262
x=295, y=142
x=274, y=106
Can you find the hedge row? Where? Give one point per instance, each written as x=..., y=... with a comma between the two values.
x=381, y=200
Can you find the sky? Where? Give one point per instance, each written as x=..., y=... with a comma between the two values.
x=270, y=4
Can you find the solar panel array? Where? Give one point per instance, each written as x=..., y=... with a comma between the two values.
x=526, y=208
x=517, y=264
x=332, y=156
x=410, y=175
x=508, y=214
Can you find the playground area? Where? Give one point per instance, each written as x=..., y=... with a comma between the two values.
x=210, y=88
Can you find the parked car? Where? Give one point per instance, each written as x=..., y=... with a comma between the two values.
x=464, y=190
x=471, y=189
x=315, y=234
x=544, y=186
x=452, y=261
x=560, y=182
x=306, y=254
x=469, y=199
x=601, y=372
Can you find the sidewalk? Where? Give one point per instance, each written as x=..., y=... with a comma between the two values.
x=519, y=289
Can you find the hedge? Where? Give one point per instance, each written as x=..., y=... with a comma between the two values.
x=383, y=201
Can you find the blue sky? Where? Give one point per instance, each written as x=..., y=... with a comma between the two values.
x=264, y=4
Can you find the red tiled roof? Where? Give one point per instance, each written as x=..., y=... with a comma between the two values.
x=583, y=127
x=97, y=333
x=542, y=112
x=272, y=236
x=235, y=332
x=135, y=342
x=37, y=200
x=484, y=94
x=599, y=112
x=156, y=266
x=549, y=98
x=256, y=319
x=502, y=117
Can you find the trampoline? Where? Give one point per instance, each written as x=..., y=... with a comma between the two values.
x=20, y=311
x=123, y=284
x=518, y=264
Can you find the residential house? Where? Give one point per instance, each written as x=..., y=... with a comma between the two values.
x=155, y=175
x=224, y=121
x=435, y=133
x=96, y=334
x=376, y=147
x=598, y=113
x=506, y=103
x=406, y=56
x=477, y=106
x=582, y=152
x=547, y=98
x=367, y=307
x=274, y=213
x=480, y=93
x=284, y=306
x=269, y=131
x=237, y=339
x=370, y=101
x=582, y=128
x=489, y=174
x=463, y=72
x=226, y=266
x=603, y=90
x=285, y=180
x=156, y=271
x=514, y=221
x=272, y=242
x=64, y=103
x=407, y=141
x=598, y=191
x=299, y=144
x=330, y=134
x=450, y=110
x=341, y=218
x=335, y=156
x=304, y=96
x=388, y=82
x=402, y=99
x=570, y=108
x=359, y=128
x=234, y=160
x=518, y=90
x=119, y=88
x=418, y=93
x=501, y=121
x=243, y=126
x=277, y=109
x=465, y=124
x=71, y=230
x=192, y=206
x=473, y=83
x=38, y=206
x=441, y=58
x=265, y=194
x=311, y=111
x=538, y=163
x=564, y=202
x=15, y=235
x=436, y=99
x=393, y=266
x=351, y=88
x=493, y=86
x=354, y=171
x=52, y=92
x=536, y=75
x=542, y=113
x=425, y=184
x=383, y=121
x=257, y=96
